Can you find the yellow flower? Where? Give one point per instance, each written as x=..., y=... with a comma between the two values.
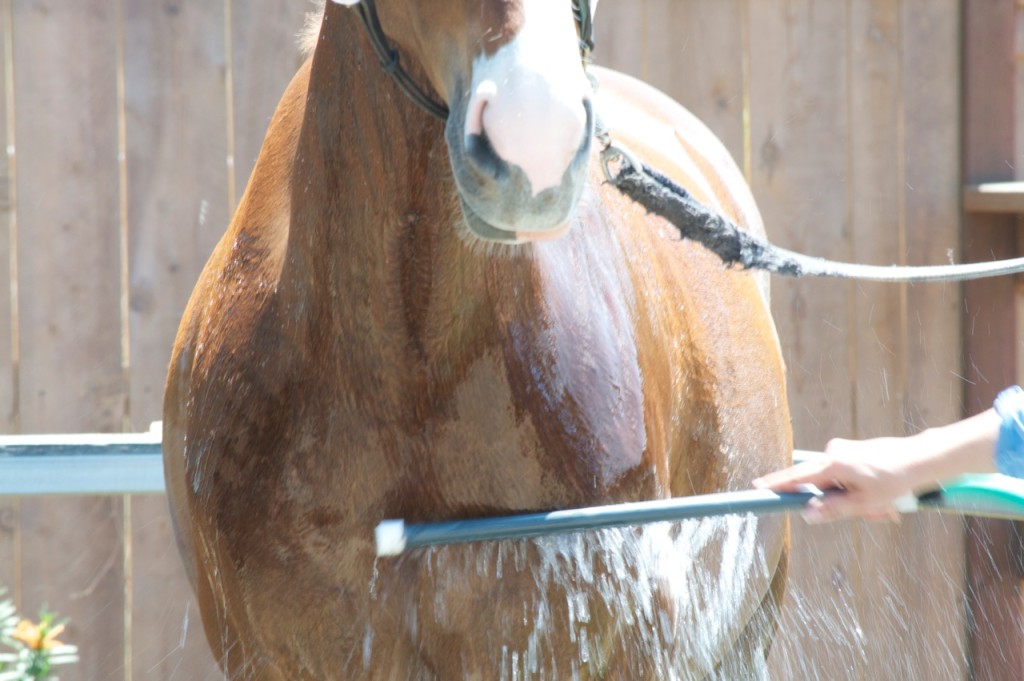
x=37, y=636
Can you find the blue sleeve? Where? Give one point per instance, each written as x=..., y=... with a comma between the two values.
x=1009, y=405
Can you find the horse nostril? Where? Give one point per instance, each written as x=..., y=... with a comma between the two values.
x=485, y=92
x=482, y=155
x=479, y=150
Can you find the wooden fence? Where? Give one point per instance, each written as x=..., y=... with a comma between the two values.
x=846, y=119
x=131, y=126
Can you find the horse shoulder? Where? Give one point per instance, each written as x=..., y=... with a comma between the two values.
x=713, y=368
x=714, y=313
x=249, y=255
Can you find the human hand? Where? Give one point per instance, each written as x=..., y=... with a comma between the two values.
x=861, y=478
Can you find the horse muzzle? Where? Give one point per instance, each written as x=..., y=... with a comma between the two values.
x=519, y=164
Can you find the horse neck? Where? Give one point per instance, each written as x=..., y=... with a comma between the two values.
x=373, y=244
x=367, y=166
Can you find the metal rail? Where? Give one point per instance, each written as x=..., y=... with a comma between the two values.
x=131, y=463
x=99, y=464
x=81, y=464
x=92, y=464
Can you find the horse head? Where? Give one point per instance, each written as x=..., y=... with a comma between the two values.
x=517, y=102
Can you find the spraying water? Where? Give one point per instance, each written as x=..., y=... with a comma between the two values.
x=667, y=601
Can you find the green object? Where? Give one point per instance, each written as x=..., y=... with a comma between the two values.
x=991, y=496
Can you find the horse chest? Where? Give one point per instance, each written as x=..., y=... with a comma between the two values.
x=548, y=411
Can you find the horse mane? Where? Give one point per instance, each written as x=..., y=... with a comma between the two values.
x=307, y=37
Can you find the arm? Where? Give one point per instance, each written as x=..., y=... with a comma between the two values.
x=873, y=473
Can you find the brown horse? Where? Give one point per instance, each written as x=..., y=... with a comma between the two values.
x=388, y=331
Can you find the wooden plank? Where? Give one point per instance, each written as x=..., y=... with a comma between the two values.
x=168, y=642
x=9, y=508
x=620, y=36
x=1019, y=93
x=994, y=547
x=994, y=550
x=694, y=53
x=934, y=584
x=264, y=57
x=994, y=197
x=10, y=540
x=8, y=325
x=990, y=72
x=69, y=265
x=75, y=569
x=798, y=109
x=1019, y=310
x=878, y=314
x=69, y=316
x=179, y=205
x=799, y=139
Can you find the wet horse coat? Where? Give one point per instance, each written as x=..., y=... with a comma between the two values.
x=355, y=350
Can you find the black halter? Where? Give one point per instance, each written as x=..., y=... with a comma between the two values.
x=389, y=56
x=585, y=25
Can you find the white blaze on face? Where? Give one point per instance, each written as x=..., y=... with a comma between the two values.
x=527, y=98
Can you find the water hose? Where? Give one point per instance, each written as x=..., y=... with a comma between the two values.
x=992, y=496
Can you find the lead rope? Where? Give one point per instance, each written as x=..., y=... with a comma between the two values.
x=734, y=246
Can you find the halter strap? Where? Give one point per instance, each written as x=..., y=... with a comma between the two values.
x=389, y=61
x=585, y=24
